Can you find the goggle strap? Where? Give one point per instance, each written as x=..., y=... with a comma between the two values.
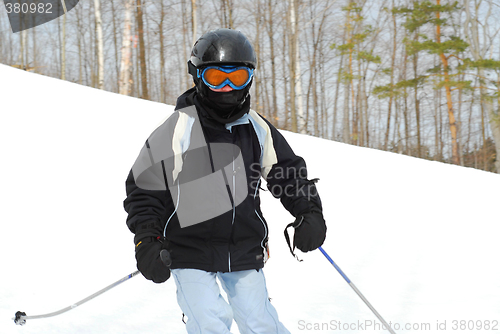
x=192, y=69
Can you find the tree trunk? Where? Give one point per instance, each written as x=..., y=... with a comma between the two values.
x=288, y=107
x=22, y=42
x=449, y=99
x=142, y=52
x=324, y=109
x=186, y=33
x=35, y=51
x=417, y=107
x=63, y=50
x=293, y=67
x=354, y=134
x=361, y=102
x=126, y=51
x=408, y=144
x=393, y=61
x=483, y=139
x=256, y=79
x=298, y=88
x=337, y=86
x=270, y=24
x=354, y=107
x=478, y=53
x=298, y=109
x=92, y=60
x=81, y=45
x=163, y=83
x=229, y=4
x=495, y=130
x=100, y=45
x=193, y=22
x=346, y=122
x=115, y=42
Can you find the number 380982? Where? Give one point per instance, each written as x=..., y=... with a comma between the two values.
x=29, y=8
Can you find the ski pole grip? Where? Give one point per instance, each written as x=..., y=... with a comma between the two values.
x=165, y=257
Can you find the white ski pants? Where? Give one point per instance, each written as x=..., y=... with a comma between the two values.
x=208, y=312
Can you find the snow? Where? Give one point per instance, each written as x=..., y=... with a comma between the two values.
x=418, y=238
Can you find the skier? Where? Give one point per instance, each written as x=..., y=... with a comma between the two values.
x=193, y=194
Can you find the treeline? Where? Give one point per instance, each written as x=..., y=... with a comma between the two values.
x=415, y=77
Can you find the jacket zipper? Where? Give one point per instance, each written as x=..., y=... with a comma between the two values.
x=227, y=185
x=264, y=249
x=234, y=211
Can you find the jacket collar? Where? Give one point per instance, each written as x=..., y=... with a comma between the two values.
x=190, y=97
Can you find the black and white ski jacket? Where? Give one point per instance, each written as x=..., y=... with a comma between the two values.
x=199, y=180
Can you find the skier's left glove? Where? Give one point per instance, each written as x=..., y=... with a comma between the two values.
x=310, y=230
x=153, y=260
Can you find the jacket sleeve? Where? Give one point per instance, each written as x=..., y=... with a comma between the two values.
x=148, y=197
x=287, y=179
x=146, y=205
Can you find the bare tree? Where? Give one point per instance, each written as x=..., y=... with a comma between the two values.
x=126, y=51
x=393, y=68
x=63, y=49
x=479, y=51
x=270, y=32
x=115, y=42
x=194, y=22
x=297, y=108
x=100, y=45
x=142, y=51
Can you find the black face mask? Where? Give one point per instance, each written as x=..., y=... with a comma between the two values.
x=224, y=103
x=224, y=107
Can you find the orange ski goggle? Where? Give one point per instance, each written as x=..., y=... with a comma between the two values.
x=218, y=76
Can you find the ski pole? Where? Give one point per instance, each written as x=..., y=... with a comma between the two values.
x=21, y=317
x=357, y=291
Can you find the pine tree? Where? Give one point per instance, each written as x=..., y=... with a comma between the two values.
x=356, y=34
x=435, y=17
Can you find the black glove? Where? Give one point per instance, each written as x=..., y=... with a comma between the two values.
x=310, y=230
x=148, y=246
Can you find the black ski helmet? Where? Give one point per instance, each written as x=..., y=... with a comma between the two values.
x=223, y=46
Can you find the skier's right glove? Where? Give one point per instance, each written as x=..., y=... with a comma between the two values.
x=310, y=230
x=149, y=244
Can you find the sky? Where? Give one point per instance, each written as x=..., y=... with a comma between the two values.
x=418, y=238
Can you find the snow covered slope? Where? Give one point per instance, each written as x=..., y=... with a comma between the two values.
x=418, y=238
